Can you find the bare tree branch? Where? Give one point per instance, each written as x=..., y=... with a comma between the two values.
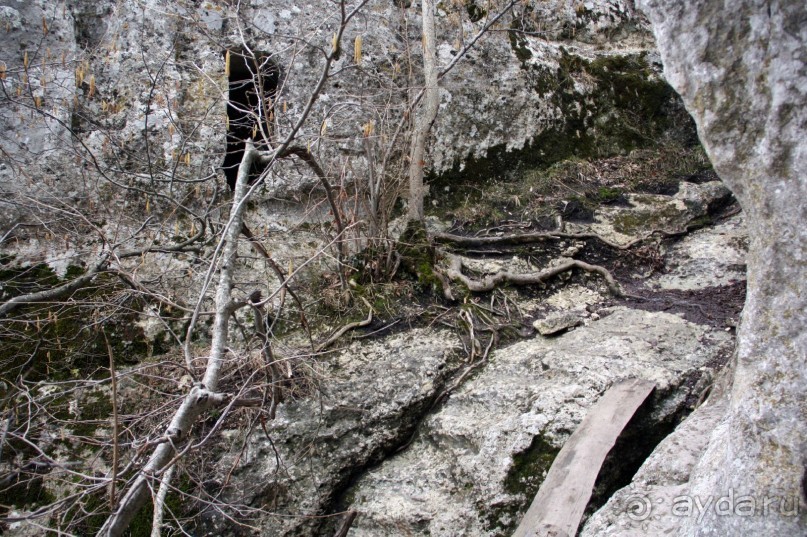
x=56, y=292
x=115, y=447
x=304, y=155
x=159, y=502
x=202, y=396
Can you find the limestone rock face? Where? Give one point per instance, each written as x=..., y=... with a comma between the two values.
x=709, y=257
x=478, y=460
x=555, y=324
x=649, y=212
x=134, y=94
x=132, y=97
x=740, y=69
x=22, y=40
x=158, y=75
x=371, y=398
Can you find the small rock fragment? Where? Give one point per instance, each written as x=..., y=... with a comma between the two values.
x=555, y=324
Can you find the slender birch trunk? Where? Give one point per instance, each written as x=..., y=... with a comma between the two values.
x=425, y=118
x=203, y=396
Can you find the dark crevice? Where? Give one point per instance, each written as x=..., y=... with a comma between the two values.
x=342, y=496
x=89, y=26
x=804, y=484
x=253, y=81
x=649, y=426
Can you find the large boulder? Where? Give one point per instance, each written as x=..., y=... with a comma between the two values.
x=370, y=398
x=740, y=69
x=479, y=459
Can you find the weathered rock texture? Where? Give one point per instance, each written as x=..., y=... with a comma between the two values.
x=131, y=105
x=370, y=401
x=122, y=97
x=478, y=461
x=742, y=71
x=648, y=212
x=708, y=257
x=158, y=64
x=646, y=507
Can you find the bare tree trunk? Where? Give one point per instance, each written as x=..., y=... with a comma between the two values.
x=203, y=396
x=159, y=502
x=425, y=119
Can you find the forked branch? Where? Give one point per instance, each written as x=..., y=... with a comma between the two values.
x=201, y=397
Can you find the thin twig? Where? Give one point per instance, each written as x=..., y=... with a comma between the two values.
x=115, y=448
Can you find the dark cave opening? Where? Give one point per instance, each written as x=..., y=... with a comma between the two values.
x=253, y=81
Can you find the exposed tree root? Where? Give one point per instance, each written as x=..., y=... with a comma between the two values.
x=542, y=236
x=348, y=327
x=488, y=283
x=473, y=366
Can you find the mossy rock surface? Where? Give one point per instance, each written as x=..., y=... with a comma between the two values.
x=64, y=338
x=628, y=106
x=611, y=106
x=523, y=480
x=418, y=255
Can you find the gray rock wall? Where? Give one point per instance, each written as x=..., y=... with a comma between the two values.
x=741, y=68
x=131, y=119
x=557, y=79
x=133, y=106
x=159, y=85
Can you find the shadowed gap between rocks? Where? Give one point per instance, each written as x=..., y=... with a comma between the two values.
x=253, y=79
x=340, y=499
x=638, y=440
x=648, y=427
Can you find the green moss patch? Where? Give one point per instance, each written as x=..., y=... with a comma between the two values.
x=572, y=188
x=64, y=338
x=635, y=222
x=530, y=468
x=526, y=474
x=418, y=256
x=614, y=107
x=475, y=13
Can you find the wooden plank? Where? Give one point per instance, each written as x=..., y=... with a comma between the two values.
x=558, y=507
